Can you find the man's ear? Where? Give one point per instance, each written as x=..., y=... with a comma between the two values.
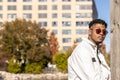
x=89, y=32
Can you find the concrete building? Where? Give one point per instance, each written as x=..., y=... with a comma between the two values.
x=68, y=19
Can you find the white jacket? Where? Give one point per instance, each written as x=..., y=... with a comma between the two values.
x=83, y=63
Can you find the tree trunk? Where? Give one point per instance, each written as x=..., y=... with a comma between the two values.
x=115, y=39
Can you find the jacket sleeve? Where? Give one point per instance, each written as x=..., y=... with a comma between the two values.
x=81, y=64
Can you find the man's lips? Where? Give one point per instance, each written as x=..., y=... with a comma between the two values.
x=101, y=37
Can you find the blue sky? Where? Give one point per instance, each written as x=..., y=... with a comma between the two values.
x=103, y=8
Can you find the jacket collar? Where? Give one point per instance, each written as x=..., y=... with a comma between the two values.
x=89, y=42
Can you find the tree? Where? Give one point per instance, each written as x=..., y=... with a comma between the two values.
x=106, y=55
x=24, y=39
x=70, y=49
x=53, y=44
x=60, y=60
x=115, y=39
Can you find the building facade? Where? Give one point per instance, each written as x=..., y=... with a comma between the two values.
x=68, y=19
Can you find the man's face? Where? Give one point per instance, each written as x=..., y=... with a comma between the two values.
x=97, y=33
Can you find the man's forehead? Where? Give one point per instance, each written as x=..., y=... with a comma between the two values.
x=98, y=25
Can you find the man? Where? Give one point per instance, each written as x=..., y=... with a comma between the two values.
x=86, y=62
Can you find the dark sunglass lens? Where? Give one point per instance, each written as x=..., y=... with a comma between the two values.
x=98, y=31
x=105, y=32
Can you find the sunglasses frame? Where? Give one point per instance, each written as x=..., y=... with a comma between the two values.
x=98, y=31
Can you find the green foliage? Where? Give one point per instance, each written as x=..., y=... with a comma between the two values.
x=61, y=61
x=107, y=58
x=69, y=51
x=25, y=39
x=14, y=67
x=21, y=37
x=33, y=68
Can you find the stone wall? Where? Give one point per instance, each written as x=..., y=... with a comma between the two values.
x=47, y=76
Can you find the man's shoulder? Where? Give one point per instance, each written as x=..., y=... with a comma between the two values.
x=83, y=46
x=83, y=43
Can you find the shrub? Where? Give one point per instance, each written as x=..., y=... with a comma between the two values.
x=14, y=67
x=61, y=61
x=33, y=68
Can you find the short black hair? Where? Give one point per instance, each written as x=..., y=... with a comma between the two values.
x=95, y=21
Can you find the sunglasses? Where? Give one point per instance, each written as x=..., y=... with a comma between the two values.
x=104, y=31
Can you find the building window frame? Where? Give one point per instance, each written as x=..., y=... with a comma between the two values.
x=66, y=7
x=27, y=15
x=11, y=0
x=54, y=23
x=66, y=23
x=27, y=0
x=42, y=0
x=42, y=15
x=66, y=32
x=1, y=7
x=12, y=16
x=27, y=7
x=1, y=16
x=66, y=15
x=43, y=24
x=66, y=40
x=81, y=31
x=11, y=7
x=42, y=7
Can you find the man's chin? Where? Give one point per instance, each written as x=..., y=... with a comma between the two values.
x=99, y=41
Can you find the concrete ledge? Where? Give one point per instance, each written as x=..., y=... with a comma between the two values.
x=47, y=76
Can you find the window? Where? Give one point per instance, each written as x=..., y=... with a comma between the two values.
x=11, y=16
x=66, y=23
x=89, y=15
x=82, y=0
x=42, y=15
x=11, y=7
x=42, y=0
x=83, y=7
x=42, y=7
x=66, y=31
x=66, y=0
x=54, y=0
x=83, y=31
x=66, y=40
x=27, y=0
x=79, y=23
x=1, y=24
x=43, y=24
x=82, y=23
x=11, y=0
x=27, y=16
x=65, y=48
x=1, y=8
x=66, y=15
x=55, y=31
x=54, y=15
x=0, y=0
x=54, y=7
x=66, y=7
x=27, y=7
x=78, y=39
x=1, y=16
x=78, y=15
x=54, y=23
x=83, y=15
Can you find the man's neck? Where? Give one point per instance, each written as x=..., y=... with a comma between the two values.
x=96, y=43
